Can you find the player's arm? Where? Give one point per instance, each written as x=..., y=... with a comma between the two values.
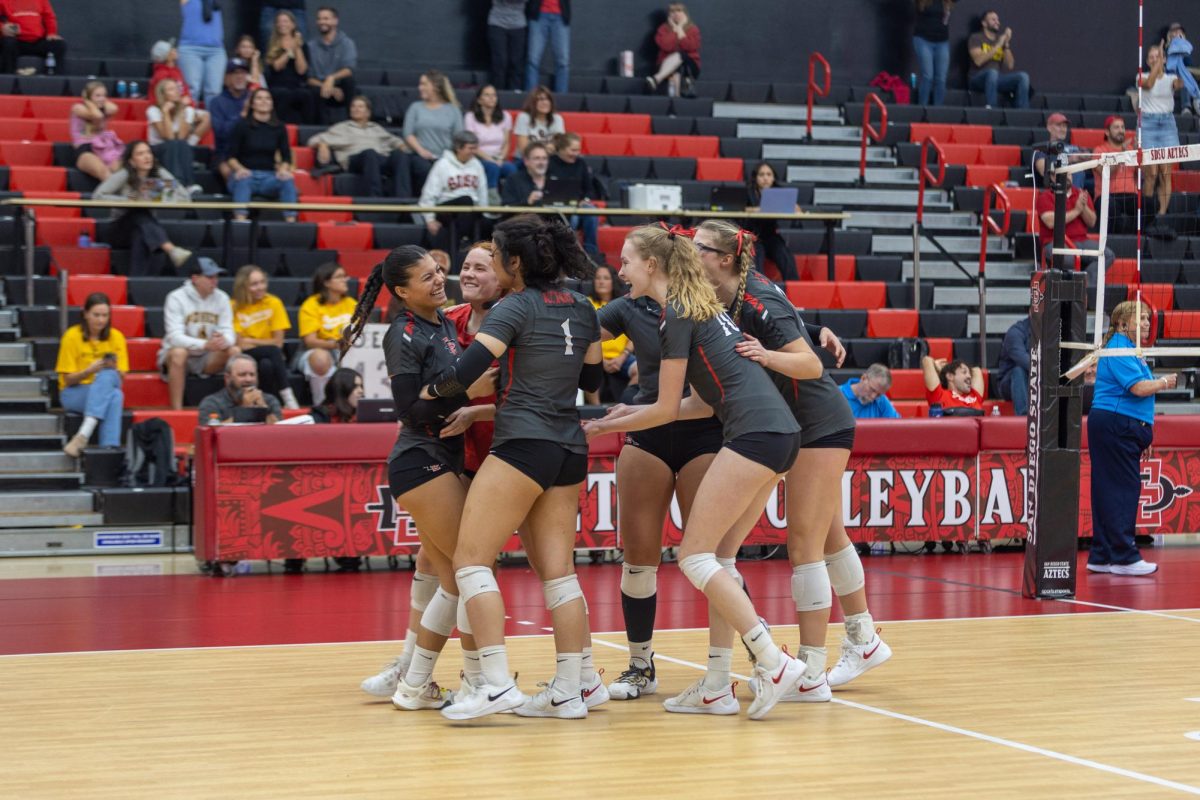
x=671, y=375
x=468, y=369
x=795, y=359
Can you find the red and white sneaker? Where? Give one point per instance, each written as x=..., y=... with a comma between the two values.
x=597, y=693
x=699, y=699
x=809, y=691
x=857, y=659
x=772, y=685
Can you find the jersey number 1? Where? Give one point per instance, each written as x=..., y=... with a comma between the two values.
x=566, y=326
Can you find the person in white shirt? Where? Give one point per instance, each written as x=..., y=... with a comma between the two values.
x=1158, y=130
x=174, y=127
x=199, y=339
x=457, y=178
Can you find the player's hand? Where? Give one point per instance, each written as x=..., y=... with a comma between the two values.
x=753, y=349
x=485, y=385
x=619, y=410
x=593, y=428
x=458, y=422
x=832, y=344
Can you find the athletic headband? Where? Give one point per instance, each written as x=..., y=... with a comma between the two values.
x=677, y=230
x=744, y=237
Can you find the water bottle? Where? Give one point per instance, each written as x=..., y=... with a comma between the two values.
x=912, y=80
x=134, y=91
x=935, y=410
x=85, y=239
x=122, y=89
x=996, y=410
x=51, y=63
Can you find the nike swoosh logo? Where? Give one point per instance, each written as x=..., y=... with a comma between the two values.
x=708, y=701
x=756, y=637
x=489, y=655
x=494, y=697
x=873, y=649
x=556, y=704
x=779, y=677
x=802, y=690
x=636, y=571
x=589, y=692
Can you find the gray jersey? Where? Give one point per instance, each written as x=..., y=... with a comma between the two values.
x=638, y=319
x=739, y=391
x=818, y=405
x=547, y=333
x=414, y=346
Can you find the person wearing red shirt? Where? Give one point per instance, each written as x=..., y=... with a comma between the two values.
x=1081, y=218
x=1123, y=186
x=29, y=28
x=953, y=384
x=678, y=41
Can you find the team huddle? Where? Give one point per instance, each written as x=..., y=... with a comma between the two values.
x=731, y=398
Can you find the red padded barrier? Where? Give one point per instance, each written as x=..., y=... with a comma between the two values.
x=943, y=437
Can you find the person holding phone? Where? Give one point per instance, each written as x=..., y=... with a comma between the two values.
x=92, y=357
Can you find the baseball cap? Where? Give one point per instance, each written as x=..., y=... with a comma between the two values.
x=1110, y=119
x=1056, y=118
x=234, y=64
x=206, y=266
x=162, y=48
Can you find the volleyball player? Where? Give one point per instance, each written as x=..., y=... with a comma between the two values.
x=760, y=435
x=548, y=342
x=424, y=468
x=822, y=556
x=658, y=462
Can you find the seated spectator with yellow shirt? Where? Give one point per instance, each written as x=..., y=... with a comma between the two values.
x=619, y=361
x=259, y=320
x=321, y=320
x=92, y=357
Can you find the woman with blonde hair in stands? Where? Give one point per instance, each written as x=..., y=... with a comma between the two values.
x=173, y=128
x=259, y=320
x=430, y=124
x=92, y=358
x=760, y=442
x=286, y=70
x=98, y=148
x=821, y=553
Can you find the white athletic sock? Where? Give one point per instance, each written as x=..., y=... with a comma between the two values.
x=410, y=641
x=420, y=669
x=860, y=628
x=640, y=654
x=88, y=426
x=814, y=662
x=720, y=663
x=758, y=639
x=566, y=672
x=587, y=669
x=471, y=671
x=493, y=663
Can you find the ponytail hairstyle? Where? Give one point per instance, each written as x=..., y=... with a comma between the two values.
x=547, y=248
x=1122, y=313
x=392, y=272
x=688, y=285
x=441, y=85
x=739, y=244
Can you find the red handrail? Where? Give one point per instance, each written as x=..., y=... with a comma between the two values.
x=925, y=176
x=868, y=132
x=987, y=225
x=813, y=89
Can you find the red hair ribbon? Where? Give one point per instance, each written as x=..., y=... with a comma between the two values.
x=677, y=230
x=744, y=237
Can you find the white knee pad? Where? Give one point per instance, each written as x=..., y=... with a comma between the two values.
x=700, y=568
x=561, y=591
x=474, y=581
x=845, y=571
x=441, y=613
x=729, y=564
x=464, y=622
x=638, y=582
x=422, y=589
x=810, y=587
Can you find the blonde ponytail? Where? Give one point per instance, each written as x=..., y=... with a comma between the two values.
x=688, y=285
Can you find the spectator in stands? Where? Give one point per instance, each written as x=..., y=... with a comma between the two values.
x=321, y=320
x=165, y=59
x=342, y=394
x=487, y=120
x=202, y=48
x=286, y=71
x=619, y=359
x=771, y=243
x=1179, y=64
x=538, y=121
x=98, y=149
x=269, y=15
x=241, y=391
x=92, y=357
x=227, y=110
x=259, y=320
x=1012, y=374
x=506, y=41
x=366, y=148
x=1081, y=218
x=332, y=59
x=247, y=51
x=868, y=395
x=1123, y=188
x=260, y=158
x=174, y=127
x=1058, y=130
x=199, y=338
x=141, y=178
x=526, y=187
x=456, y=179
x=1158, y=130
x=931, y=44
x=567, y=166
x=430, y=124
x=992, y=67
x=953, y=384
x=548, y=19
x=678, y=41
x=30, y=28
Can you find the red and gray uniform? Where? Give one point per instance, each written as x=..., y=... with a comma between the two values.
x=818, y=405
x=548, y=333
x=739, y=391
x=638, y=319
x=478, y=438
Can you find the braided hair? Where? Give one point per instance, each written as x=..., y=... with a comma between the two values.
x=392, y=272
x=738, y=243
x=547, y=249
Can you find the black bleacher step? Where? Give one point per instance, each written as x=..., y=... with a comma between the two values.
x=39, y=321
x=31, y=443
x=967, y=349
x=24, y=405
x=45, y=290
x=879, y=268
x=614, y=84
x=847, y=324
x=692, y=106
x=140, y=506
x=865, y=352
x=653, y=105
x=900, y=294
x=672, y=126
x=12, y=260
x=40, y=482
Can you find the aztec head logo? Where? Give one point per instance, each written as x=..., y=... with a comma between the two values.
x=1159, y=493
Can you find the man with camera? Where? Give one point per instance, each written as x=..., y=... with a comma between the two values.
x=241, y=400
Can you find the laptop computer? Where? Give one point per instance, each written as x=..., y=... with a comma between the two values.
x=561, y=193
x=779, y=200
x=729, y=198
x=376, y=410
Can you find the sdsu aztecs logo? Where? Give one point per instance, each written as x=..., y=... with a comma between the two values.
x=1158, y=494
x=1037, y=296
x=389, y=517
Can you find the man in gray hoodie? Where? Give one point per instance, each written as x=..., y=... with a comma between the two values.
x=199, y=336
x=332, y=59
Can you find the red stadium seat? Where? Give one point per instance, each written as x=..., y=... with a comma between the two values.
x=80, y=286
x=147, y=390
x=130, y=130
x=1087, y=138
x=583, y=122
x=606, y=144
x=21, y=130
x=37, y=179
x=941, y=348
x=44, y=108
x=64, y=232
x=633, y=124
x=1123, y=270
x=919, y=130
x=55, y=211
x=861, y=294
x=13, y=105
x=129, y=320
x=131, y=109
x=1181, y=324
x=909, y=409
x=303, y=157
x=651, y=146
x=960, y=153
x=327, y=216
x=986, y=175
x=815, y=267
x=611, y=238
x=1160, y=296
x=26, y=154
x=56, y=130
x=293, y=135
x=907, y=384
x=699, y=147
x=812, y=294
x=971, y=134
x=321, y=187
x=82, y=260
x=358, y=264
x=143, y=354
x=892, y=323
x=1006, y=155
x=719, y=169
x=345, y=236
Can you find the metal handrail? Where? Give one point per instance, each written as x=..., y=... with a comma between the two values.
x=869, y=132
x=924, y=176
x=987, y=225
x=815, y=90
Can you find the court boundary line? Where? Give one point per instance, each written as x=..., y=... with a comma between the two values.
x=977, y=735
x=1127, y=610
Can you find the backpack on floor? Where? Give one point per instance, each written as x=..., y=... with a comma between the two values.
x=907, y=353
x=150, y=455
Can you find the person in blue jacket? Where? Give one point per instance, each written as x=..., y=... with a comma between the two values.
x=1012, y=374
x=868, y=395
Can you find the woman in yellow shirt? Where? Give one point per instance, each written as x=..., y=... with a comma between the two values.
x=259, y=320
x=322, y=318
x=92, y=357
x=619, y=361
